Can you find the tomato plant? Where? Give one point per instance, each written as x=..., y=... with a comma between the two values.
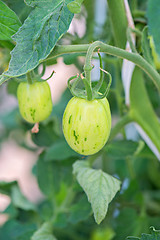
x=98, y=173
x=87, y=124
x=35, y=103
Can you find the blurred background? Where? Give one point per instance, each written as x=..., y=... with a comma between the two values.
x=16, y=162
x=138, y=202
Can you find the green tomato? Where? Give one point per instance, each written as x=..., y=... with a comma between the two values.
x=87, y=124
x=103, y=234
x=35, y=103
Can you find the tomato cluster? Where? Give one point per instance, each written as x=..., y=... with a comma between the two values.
x=86, y=124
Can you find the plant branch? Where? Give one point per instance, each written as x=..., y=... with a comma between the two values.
x=114, y=51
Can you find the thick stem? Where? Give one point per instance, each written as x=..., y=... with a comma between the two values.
x=29, y=78
x=90, y=24
x=88, y=66
x=88, y=88
x=114, y=51
x=119, y=21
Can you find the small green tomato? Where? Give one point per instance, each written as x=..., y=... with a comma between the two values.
x=35, y=103
x=87, y=124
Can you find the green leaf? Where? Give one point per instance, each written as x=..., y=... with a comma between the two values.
x=137, y=223
x=80, y=211
x=142, y=111
x=155, y=235
x=6, y=187
x=153, y=172
x=11, y=211
x=99, y=187
x=26, y=232
x=20, y=8
x=48, y=134
x=3, y=79
x=55, y=152
x=9, y=22
x=61, y=105
x=120, y=149
x=37, y=37
x=132, y=238
x=45, y=210
x=11, y=120
x=69, y=59
x=18, y=199
x=14, y=230
x=62, y=194
x=153, y=22
x=61, y=220
x=12, y=87
x=46, y=174
x=53, y=176
x=147, y=53
x=7, y=44
x=75, y=6
x=44, y=232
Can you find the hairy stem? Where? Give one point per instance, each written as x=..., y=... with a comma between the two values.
x=114, y=51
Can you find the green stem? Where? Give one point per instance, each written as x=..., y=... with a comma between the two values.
x=134, y=5
x=88, y=66
x=29, y=78
x=119, y=21
x=130, y=167
x=118, y=88
x=90, y=24
x=65, y=205
x=118, y=52
x=129, y=38
x=88, y=88
x=118, y=127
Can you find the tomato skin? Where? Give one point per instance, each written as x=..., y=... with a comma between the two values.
x=87, y=124
x=35, y=102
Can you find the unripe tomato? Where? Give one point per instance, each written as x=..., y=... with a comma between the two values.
x=103, y=234
x=87, y=124
x=35, y=103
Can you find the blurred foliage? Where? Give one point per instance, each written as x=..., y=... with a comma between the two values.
x=65, y=206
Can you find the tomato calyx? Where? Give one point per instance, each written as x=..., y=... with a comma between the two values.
x=34, y=76
x=89, y=92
